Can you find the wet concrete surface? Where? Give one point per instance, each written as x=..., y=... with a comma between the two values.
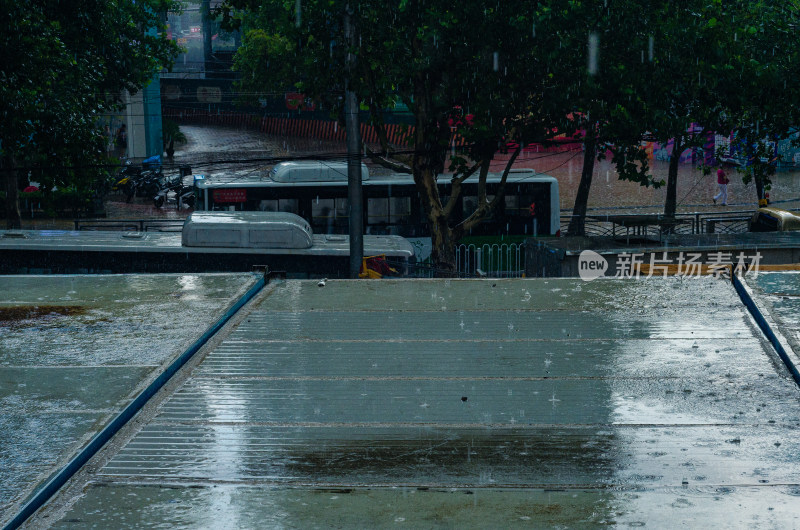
x=481, y=403
x=64, y=373
x=234, y=507
x=778, y=293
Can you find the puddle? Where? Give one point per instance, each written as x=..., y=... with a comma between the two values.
x=18, y=316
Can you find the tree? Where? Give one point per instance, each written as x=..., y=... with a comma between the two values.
x=492, y=63
x=66, y=64
x=171, y=134
x=766, y=105
x=603, y=83
x=715, y=68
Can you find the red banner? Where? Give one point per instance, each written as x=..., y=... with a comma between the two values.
x=231, y=195
x=296, y=101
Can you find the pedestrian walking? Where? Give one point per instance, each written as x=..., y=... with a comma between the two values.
x=121, y=140
x=722, y=184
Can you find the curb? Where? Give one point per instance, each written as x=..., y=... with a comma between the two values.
x=775, y=338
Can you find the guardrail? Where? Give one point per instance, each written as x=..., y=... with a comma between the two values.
x=491, y=260
x=480, y=261
x=735, y=222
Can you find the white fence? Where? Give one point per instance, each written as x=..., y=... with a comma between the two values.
x=492, y=261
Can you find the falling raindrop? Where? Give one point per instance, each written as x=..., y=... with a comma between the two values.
x=496, y=61
x=298, y=19
x=594, y=42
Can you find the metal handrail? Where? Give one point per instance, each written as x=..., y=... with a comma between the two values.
x=694, y=223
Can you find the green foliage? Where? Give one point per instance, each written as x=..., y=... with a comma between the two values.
x=54, y=203
x=171, y=132
x=716, y=66
x=517, y=71
x=65, y=65
x=760, y=164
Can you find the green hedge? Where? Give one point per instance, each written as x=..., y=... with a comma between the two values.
x=52, y=203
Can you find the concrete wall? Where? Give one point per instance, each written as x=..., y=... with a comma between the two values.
x=143, y=119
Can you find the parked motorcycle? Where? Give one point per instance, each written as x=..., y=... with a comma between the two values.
x=148, y=183
x=126, y=181
x=174, y=190
x=141, y=181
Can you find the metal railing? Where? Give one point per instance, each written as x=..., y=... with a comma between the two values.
x=480, y=261
x=491, y=260
x=735, y=222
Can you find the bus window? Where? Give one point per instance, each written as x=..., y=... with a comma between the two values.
x=512, y=205
x=342, y=212
x=288, y=205
x=378, y=211
x=268, y=206
x=322, y=208
x=399, y=210
x=470, y=204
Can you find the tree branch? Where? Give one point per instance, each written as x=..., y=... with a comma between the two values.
x=484, y=208
x=384, y=161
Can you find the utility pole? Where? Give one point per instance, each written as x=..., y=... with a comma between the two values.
x=354, y=193
x=205, y=18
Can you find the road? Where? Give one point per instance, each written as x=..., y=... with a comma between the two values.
x=209, y=146
x=214, y=150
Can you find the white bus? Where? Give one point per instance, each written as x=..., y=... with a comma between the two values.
x=317, y=191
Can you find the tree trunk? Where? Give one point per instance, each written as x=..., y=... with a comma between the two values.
x=443, y=252
x=9, y=175
x=671, y=204
x=425, y=164
x=577, y=225
x=443, y=255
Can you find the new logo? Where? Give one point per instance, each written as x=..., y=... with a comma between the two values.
x=591, y=265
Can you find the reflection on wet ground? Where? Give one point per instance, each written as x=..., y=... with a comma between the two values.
x=226, y=506
x=74, y=349
x=470, y=403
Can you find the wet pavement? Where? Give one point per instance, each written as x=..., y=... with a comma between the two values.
x=483, y=403
x=778, y=294
x=75, y=349
x=232, y=150
x=228, y=151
